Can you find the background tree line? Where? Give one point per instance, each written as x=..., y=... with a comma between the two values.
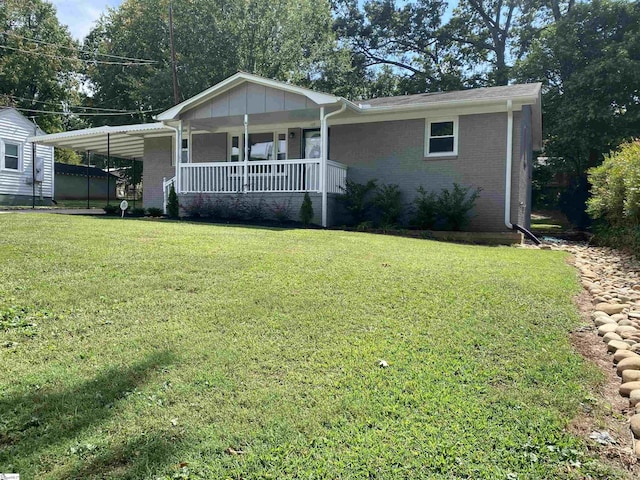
x=586, y=54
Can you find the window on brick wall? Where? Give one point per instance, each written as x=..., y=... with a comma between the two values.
x=441, y=137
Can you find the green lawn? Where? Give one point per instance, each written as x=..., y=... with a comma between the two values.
x=156, y=349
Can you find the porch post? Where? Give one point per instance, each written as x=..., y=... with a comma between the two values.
x=246, y=153
x=178, y=154
x=324, y=147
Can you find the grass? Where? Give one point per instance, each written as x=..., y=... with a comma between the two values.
x=549, y=222
x=156, y=349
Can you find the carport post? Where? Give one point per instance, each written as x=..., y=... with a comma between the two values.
x=87, y=156
x=133, y=175
x=108, y=161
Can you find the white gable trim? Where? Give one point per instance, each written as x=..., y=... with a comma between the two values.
x=237, y=79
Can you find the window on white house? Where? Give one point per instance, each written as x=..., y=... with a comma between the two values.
x=441, y=138
x=11, y=156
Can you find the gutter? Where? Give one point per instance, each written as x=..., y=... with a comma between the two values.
x=507, y=181
x=325, y=154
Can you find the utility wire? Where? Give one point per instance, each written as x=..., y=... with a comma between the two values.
x=119, y=110
x=142, y=60
x=60, y=57
x=85, y=114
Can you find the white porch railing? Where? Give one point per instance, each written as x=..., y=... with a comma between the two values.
x=166, y=188
x=286, y=176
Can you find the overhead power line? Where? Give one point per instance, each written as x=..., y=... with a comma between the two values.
x=79, y=50
x=119, y=110
x=61, y=57
x=85, y=114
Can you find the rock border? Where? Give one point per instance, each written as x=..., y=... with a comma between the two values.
x=612, y=279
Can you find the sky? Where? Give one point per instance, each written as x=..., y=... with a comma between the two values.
x=80, y=15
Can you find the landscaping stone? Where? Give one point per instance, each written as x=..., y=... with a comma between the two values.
x=611, y=336
x=634, y=397
x=635, y=425
x=630, y=375
x=628, y=334
x=626, y=328
x=618, y=317
x=627, y=388
x=599, y=321
x=615, y=345
x=626, y=323
x=630, y=363
x=606, y=328
x=636, y=449
x=611, y=308
x=620, y=354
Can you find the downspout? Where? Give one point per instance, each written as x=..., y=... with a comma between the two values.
x=325, y=157
x=507, y=186
x=508, y=173
x=178, y=147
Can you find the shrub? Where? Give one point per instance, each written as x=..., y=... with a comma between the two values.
x=356, y=198
x=388, y=200
x=237, y=207
x=254, y=210
x=154, y=212
x=219, y=209
x=615, y=197
x=173, y=207
x=195, y=207
x=137, y=212
x=306, y=209
x=426, y=209
x=454, y=206
x=111, y=209
x=281, y=210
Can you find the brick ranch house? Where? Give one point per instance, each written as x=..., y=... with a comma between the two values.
x=275, y=141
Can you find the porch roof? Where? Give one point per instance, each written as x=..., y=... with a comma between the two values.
x=126, y=141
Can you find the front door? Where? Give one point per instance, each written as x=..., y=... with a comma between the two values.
x=312, y=145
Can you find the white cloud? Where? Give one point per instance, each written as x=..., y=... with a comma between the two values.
x=80, y=15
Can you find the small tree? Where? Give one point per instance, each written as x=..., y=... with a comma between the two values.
x=306, y=209
x=426, y=209
x=455, y=206
x=388, y=200
x=173, y=207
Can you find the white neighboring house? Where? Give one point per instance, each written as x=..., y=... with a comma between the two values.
x=16, y=166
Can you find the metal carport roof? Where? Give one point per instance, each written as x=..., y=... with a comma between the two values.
x=126, y=141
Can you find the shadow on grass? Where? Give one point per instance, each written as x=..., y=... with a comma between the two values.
x=272, y=226
x=40, y=424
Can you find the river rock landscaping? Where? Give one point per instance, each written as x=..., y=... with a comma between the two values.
x=612, y=278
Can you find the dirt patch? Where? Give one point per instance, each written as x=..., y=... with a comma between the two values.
x=608, y=411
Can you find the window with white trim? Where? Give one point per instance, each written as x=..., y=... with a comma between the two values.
x=11, y=155
x=441, y=137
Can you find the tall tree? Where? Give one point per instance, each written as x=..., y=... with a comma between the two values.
x=289, y=40
x=38, y=62
x=589, y=63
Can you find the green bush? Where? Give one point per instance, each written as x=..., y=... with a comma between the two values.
x=154, y=212
x=615, y=197
x=388, y=201
x=137, y=212
x=255, y=210
x=454, y=206
x=357, y=199
x=173, y=207
x=425, y=214
x=306, y=210
x=111, y=209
